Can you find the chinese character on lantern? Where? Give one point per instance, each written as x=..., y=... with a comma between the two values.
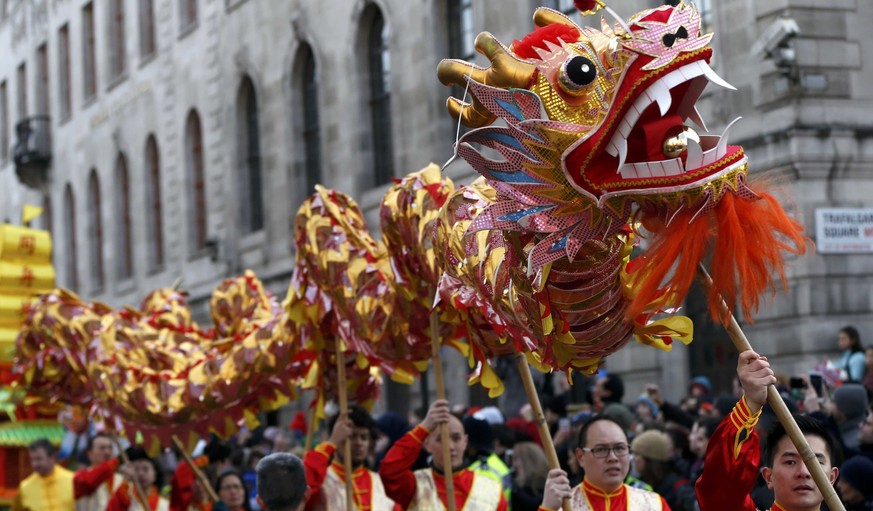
x=27, y=244
x=27, y=276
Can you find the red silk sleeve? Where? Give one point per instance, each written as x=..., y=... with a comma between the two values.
x=316, y=463
x=731, y=464
x=120, y=500
x=182, y=483
x=395, y=469
x=87, y=480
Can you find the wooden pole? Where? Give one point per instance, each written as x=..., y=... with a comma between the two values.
x=775, y=399
x=448, y=469
x=539, y=418
x=310, y=431
x=207, y=486
x=140, y=494
x=344, y=409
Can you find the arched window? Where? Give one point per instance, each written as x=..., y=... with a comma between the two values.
x=71, y=262
x=379, y=74
x=154, y=209
x=308, y=87
x=123, y=236
x=196, y=183
x=250, y=158
x=95, y=232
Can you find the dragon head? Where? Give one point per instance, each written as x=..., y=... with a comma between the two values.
x=612, y=107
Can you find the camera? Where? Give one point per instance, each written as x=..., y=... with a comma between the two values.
x=775, y=37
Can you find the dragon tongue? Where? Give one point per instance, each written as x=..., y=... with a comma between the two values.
x=653, y=134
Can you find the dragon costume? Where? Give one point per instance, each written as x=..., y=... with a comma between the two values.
x=583, y=135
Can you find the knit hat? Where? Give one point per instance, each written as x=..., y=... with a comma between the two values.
x=851, y=400
x=652, y=444
x=857, y=472
x=703, y=382
x=620, y=414
x=644, y=399
x=479, y=434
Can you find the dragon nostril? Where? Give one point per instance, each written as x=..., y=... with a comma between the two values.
x=670, y=39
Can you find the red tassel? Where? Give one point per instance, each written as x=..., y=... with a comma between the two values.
x=746, y=238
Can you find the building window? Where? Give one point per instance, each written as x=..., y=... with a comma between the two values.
x=196, y=180
x=89, y=52
x=123, y=237
x=64, y=89
x=116, y=38
x=42, y=80
x=461, y=42
x=250, y=157
x=71, y=263
x=95, y=232
x=4, y=121
x=462, y=39
x=146, y=28
x=309, y=106
x=22, y=91
x=379, y=69
x=188, y=13
x=46, y=219
x=154, y=213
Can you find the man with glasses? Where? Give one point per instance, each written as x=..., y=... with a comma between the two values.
x=603, y=453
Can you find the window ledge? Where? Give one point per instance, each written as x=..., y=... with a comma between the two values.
x=233, y=4
x=188, y=29
x=88, y=101
x=125, y=285
x=148, y=59
x=253, y=240
x=117, y=80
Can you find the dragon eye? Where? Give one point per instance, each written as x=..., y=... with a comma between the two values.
x=577, y=73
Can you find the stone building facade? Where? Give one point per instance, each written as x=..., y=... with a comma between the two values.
x=185, y=133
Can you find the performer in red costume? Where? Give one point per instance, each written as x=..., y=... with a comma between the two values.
x=425, y=489
x=93, y=486
x=603, y=453
x=733, y=456
x=325, y=472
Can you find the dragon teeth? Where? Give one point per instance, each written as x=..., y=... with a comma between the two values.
x=660, y=93
x=695, y=117
x=713, y=77
x=694, y=158
x=721, y=150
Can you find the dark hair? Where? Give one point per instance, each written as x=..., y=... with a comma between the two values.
x=90, y=445
x=139, y=454
x=224, y=475
x=583, y=433
x=614, y=384
x=281, y=481
x=217, y=450
x=44, y=444
x=361, y=419
x=854, y=338
x=808, y=426
x=708, y=424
